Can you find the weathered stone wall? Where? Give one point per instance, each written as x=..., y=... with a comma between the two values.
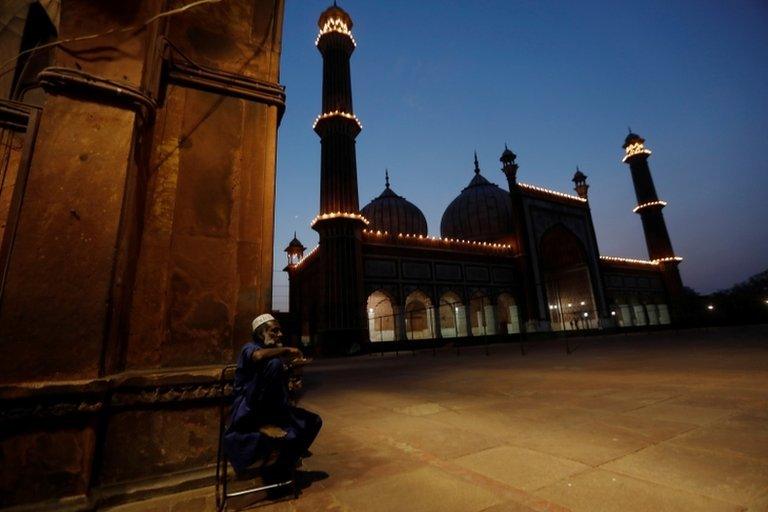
x=144, y=241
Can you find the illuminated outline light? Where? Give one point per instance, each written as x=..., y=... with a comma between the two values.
x=628, y=260
x=306, y=257
x=552, y=192
x=647, y=205
x=641, y=262
x=635, y=149
x=669, y=258
x=409, y=236
x=337, y=215
x=335, y=25
x=336, y=113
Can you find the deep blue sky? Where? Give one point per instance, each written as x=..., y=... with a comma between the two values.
x=559, y=82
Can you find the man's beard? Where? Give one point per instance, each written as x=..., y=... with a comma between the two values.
x=271, y=341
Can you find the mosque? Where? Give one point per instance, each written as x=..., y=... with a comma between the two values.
x=520, y=259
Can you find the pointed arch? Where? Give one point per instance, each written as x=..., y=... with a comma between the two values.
x=453, y=319
x=419, y=316
x=381, y=311
x=567, y=280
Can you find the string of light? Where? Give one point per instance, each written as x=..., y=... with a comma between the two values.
x=336, y=215
x=306, y=257
x=617, y=259
x=337, y=113
x=649, y=204
x=552, y=192
x=437, y=239
x=335, y=25
x=635, y=149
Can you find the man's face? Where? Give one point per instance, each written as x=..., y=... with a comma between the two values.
x=273, y=335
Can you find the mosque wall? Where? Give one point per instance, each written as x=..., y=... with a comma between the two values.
x=137, y=244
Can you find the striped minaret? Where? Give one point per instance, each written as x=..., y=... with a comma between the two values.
x=649, y=208
x=339, y=222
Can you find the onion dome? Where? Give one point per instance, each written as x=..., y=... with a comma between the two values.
x=334, y=13
x=579, y=176
x=295, y=245
x=507, y=156
x=482, y=211
x=632, y=138
x=393, y=213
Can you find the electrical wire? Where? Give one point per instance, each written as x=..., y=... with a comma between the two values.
x=154, y=18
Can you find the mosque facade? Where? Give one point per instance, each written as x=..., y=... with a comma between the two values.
x=508, y=261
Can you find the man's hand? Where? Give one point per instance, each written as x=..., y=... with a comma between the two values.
x=293, y=353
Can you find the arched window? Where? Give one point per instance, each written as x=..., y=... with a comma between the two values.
x=419, y=317
x=507, y=318
x=381, y=317
x=453, y=320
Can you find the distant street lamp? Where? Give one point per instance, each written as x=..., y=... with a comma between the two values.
x=711, y=307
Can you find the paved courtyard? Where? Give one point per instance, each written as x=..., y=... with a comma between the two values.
x=644, y=422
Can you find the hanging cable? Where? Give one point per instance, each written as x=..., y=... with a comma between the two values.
x=154, y=18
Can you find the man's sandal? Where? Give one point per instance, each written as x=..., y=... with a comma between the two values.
x=273, y=431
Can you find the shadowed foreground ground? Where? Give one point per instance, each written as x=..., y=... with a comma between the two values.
x=646, y=422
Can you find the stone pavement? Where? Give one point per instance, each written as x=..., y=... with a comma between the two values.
x=644, y=422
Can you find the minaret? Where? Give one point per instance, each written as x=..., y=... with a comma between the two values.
x=649, y=208
x=580, y=183
x=337, y=125
x=339, y=222
x=530, y=309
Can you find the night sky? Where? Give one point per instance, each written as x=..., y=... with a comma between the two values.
x=559, y=82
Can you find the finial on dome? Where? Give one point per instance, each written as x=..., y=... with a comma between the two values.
x=477, y=165
x=386, y=178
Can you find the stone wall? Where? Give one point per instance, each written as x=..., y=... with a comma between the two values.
x=141, y=248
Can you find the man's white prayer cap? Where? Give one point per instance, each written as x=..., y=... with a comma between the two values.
x=261, y=319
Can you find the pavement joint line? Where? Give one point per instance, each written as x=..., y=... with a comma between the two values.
x=469, y=476
x=741, y=508
x=726, y=452
x=653, y=403
x=651, y=445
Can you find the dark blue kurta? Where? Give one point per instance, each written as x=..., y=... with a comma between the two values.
x=261, y=398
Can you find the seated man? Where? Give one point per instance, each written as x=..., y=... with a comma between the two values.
x=263, y=418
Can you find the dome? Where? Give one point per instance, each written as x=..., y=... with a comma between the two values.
x=295, y=244
x=334, y=12
x=483, y=211
x=507, y=155
x=393, y=213
x=632, y=138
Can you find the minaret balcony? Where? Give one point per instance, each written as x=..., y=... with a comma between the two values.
x=635, y=149
x=658, y=205
x=337, y=121
x=336, y=39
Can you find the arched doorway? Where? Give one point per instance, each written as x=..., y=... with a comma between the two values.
x=507, y=318
x=567, y=281
x=381, y=317
x=419, y=317
x=481, y=315
x=453, y=320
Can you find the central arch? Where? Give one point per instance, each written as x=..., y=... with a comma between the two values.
x=570, y=298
